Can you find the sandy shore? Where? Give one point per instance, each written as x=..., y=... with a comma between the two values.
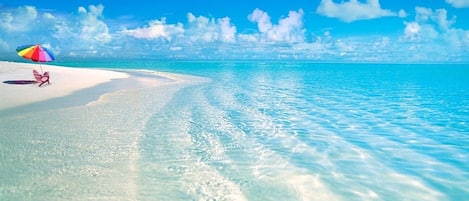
x=63, y=81
x=79, y=137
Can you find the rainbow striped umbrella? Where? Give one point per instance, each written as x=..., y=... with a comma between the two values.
x=35, y=53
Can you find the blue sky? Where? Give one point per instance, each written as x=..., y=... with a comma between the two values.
x=401, y=31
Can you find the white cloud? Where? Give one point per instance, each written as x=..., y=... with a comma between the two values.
x=177, y=48
x=228, y=31
x=84, y=34
x=442, y=19
x=92, y=28
x=402, y=13
x=209, y=29
x=458, y=3
x=251, y=38
x=192, y=39
x=21, y=19
x=156, y=29
x=64, y=31
x=385, y=42
x=289, y=29
x=262, y=19
x=438, y=18
x=202, y=29
x=423, y=14
x=434, y=25
x=48, y=16
x=412, y=31
x=353, y=10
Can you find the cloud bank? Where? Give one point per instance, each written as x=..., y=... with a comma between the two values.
x=459, y=3
x=430, y=37
x=353, y=10
x=435, y=26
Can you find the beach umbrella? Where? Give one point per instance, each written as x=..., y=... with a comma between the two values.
x=35, y=53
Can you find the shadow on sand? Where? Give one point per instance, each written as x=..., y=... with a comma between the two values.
x=20, y=82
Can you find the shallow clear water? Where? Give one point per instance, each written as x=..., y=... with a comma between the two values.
x=268, y=131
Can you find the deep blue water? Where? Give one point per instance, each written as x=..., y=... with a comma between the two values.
x=307, y=131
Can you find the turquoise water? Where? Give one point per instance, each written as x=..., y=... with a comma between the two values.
x=286, y=131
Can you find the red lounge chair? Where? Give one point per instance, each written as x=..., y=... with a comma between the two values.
x=41, y=79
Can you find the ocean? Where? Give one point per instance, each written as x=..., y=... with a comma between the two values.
x=258, y=130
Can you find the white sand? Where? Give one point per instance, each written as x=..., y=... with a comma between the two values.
x=88, y=150
x=63, y=81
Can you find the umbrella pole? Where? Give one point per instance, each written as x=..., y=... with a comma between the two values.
x=40, y=65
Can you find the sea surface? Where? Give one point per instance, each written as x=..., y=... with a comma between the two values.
x=256, y=131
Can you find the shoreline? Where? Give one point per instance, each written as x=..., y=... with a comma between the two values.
x=65, y=81
x=81, y=138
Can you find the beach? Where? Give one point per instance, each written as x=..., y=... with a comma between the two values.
x=77, y=137
x=64, y=81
